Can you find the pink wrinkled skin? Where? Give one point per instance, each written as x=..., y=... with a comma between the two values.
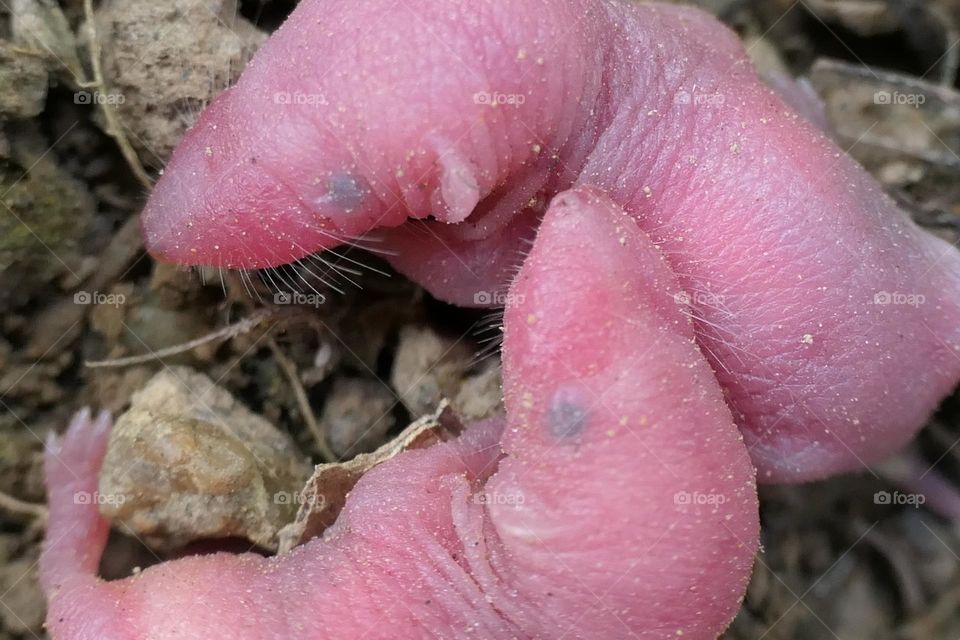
x=363, y=115
x=619, y=500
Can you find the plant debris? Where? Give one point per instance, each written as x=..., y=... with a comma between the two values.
x=327, y=489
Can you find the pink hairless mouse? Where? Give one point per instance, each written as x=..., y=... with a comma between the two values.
x=675, y=186
x=363, y=115
x=619, y=500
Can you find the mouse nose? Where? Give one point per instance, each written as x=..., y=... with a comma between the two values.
x=223, y=212
x=216, y=228
x=168, y=226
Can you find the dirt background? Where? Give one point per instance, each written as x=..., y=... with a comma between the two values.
x=93, y=97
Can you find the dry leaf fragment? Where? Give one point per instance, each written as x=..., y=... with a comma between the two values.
x=327, y=489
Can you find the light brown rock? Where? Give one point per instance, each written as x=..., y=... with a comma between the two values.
x=189, y=462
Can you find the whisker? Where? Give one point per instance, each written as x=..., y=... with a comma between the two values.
x=491, y=323
x=305, y=262
x=243, y=281
x=361, y=265
x=356, y=243
x=341, y=273
x=307, y=282
x=303, y=265
x=267, y=274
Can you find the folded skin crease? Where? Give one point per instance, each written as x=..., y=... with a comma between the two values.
x=617, y=500
x=831, y=320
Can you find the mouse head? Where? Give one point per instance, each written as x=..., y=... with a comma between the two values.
x=353, y=117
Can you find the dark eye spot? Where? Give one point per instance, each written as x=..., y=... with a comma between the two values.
x=567, y=416
x=346, y=191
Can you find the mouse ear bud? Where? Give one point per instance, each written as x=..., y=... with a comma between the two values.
x=458, y=191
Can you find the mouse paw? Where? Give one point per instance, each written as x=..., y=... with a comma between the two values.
x=74, y=458
x=76, y=532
